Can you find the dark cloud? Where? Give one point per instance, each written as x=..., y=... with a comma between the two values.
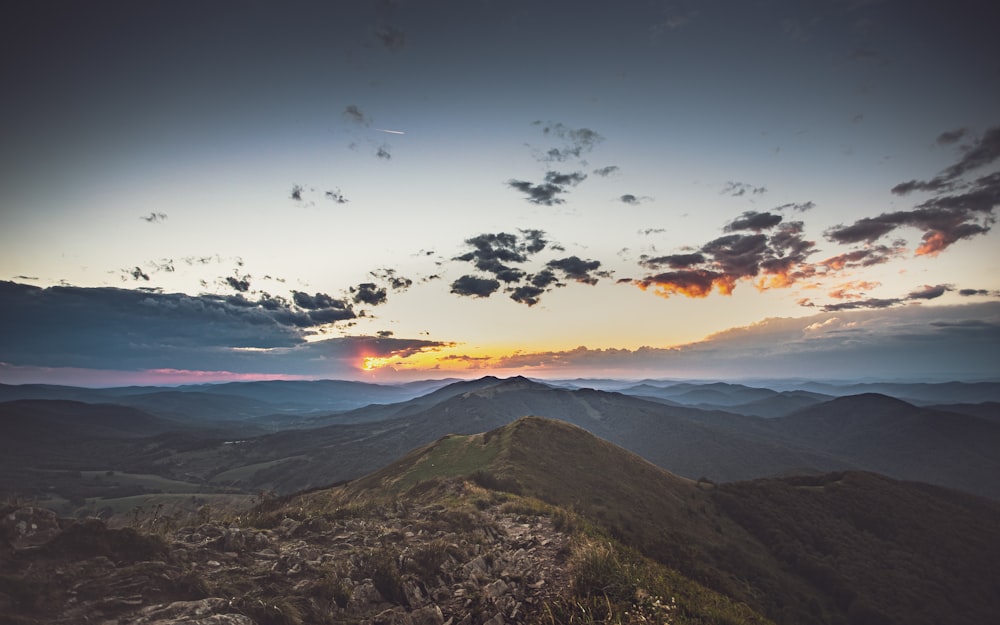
x=930, y=292
x=395, y=281
x=322, y=308
x=737, y=189
x=527, y=294
x=137, y=273
x=970, y=292
x=982, y=152
x=354, y=113
x=390, y=37
x=238, y=284
x=368, y=293
x=128, y=329
x=604, y=172
x=576, y=141
x=941, y=225
x=861, y=304
x=866, y=257
x=673, y=261
x=132, y=330
x=563, y=180
x=579, y=270
x=383, y=152
x=296, y=193
x=384, y=334
x=555, y=183
x=633, y=200
x=778, y=259
x=752, y=220
x=502, y=257
x=950, y=137
x=543, y=194
x=474, y=287
x=800, y=207
x=154, y=217
x=691, y=282
x=336, y=196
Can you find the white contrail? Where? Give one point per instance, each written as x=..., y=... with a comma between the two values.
x=391, y=132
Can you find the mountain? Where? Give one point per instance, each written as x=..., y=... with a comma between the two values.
x=802, y=548
x=537, y=521
x=893, y=437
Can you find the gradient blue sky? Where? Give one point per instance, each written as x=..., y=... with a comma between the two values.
x=400, y=189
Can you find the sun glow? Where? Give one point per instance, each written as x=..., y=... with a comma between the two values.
x=372, y=363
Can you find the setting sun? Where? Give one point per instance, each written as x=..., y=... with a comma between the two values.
x=371, y=363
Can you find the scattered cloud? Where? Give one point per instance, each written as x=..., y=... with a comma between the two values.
x=383, y=152
x=137, y=274
x=368, y=293
x=354, y=113
x=971, y=292
x=336, y=196
x=800, y=207
x=950, y=137
x=776, y=259
x=738, y=189
x=390, y=37
x=296, y=193
x=502, y=257
x=959, y=209
x=930, y=292
x=154, y=217
x=544, y=194
x=862, y=304
x=604, y=172
x=634, y=200
x=575, y=141
x=752, y=220
x=473, y=286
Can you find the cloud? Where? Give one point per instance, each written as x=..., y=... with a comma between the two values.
x=354, y=113
x=473, y=286
x=604, y=172
x=982, y=152
x=503, y=257
x=368, y=293
x=238, y=284
x=544, y=194
x=776, y=259
x=800, y=207
x=579, y=270
x=863, y=303
x=950, y=137
x=865, y=257
x=633, y=200
x=389, y=277
x=971, y=292
x=737, y=189
x=336, y=196
x=930, y=292
x=137, y=274
x=674, y=261
x=939, y=342
x=154, y=217
x=390, y=37
x=383, y=152
x=296, y=193
x=575, y=141
x=752, y=220
x=847, y=290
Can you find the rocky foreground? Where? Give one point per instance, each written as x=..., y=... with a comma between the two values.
x=407, y=564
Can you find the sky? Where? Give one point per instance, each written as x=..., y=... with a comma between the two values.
x=388, y=190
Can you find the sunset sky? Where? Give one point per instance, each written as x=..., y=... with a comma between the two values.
x=394, y=190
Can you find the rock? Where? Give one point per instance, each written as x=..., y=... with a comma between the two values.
x=29, y=527
x=211, y=611
x=429, y=615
